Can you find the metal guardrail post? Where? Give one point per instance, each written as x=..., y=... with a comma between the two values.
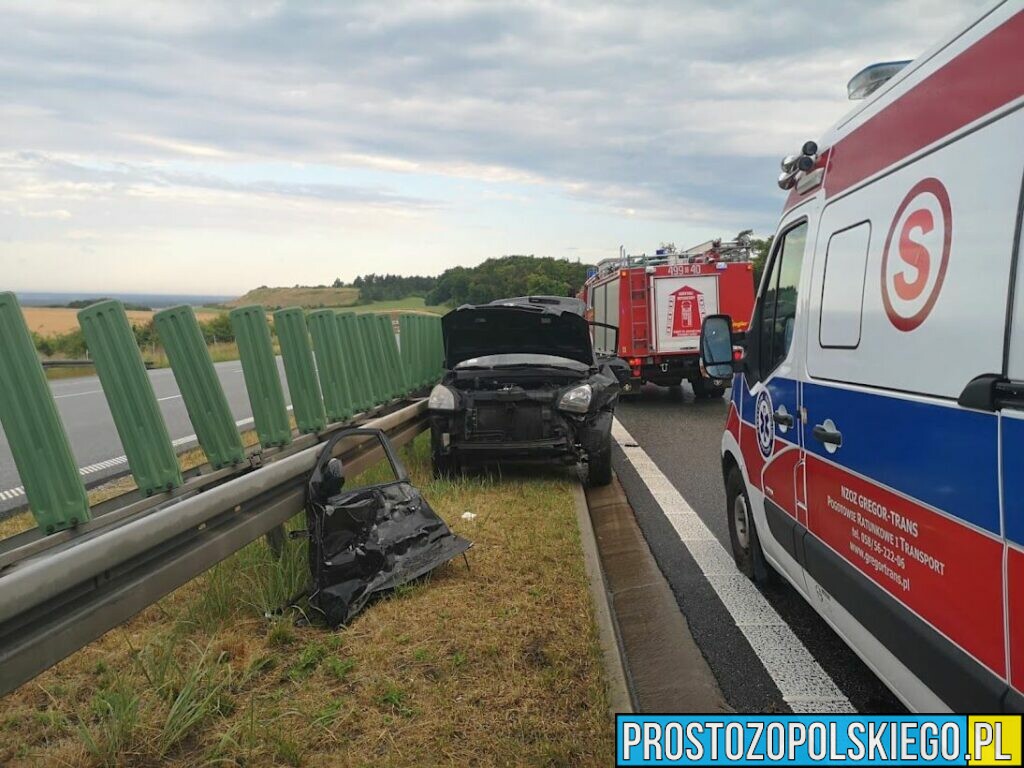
x=358, y=364
x=293, y=335
x=259, y=368
x=34, y=430
x=330, y=364
x=133, y=405
x=204, y=398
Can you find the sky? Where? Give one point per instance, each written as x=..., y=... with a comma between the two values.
x=211, y=147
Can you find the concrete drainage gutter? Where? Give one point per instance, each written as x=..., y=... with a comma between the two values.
x=620, y=699
x=653, y=662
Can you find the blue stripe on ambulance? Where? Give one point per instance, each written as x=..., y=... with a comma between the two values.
x=942, y=455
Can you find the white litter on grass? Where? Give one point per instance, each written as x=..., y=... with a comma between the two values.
x=469, y=515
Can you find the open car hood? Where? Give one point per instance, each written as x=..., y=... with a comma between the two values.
x=477, y=331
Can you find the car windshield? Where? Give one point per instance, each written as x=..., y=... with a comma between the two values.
x=513, y=361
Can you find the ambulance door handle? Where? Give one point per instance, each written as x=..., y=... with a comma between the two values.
x=783, y=419
x=828, y=436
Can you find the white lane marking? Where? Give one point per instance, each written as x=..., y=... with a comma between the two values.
x=79, y=394
x=119, y=460
x=805, y=686
x=169, y=397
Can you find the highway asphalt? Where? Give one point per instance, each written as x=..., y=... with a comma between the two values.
x=90, y=427
x=682, y=436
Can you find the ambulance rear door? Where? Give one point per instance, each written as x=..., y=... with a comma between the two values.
x=681, y=298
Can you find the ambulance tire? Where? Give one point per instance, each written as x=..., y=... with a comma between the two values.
x=746, y=546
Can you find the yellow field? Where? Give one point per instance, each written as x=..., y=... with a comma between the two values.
x=47, y=321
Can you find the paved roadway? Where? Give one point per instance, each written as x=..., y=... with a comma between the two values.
x=682, y=437
x=90, y=427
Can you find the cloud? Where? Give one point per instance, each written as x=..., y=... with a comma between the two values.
x=662, y=110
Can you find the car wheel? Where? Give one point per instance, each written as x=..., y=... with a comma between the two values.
x=746, y=546
x=599, y=467
x=443, y=467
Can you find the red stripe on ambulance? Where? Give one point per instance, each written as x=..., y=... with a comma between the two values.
x=979, y=80
x=945, y=572
x=1015, y=584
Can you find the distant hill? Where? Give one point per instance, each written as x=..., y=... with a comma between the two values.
x=303, y=296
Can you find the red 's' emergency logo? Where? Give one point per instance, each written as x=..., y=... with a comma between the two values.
x=686, y=311
x=916, y=254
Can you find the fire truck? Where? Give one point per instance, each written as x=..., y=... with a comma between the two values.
x=657, y=304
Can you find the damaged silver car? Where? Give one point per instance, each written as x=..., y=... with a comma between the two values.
x=522, y=384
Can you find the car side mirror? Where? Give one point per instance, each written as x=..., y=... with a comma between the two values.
x=333, y=479
x=716, y=346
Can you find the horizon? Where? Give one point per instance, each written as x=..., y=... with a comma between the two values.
x=200, y=149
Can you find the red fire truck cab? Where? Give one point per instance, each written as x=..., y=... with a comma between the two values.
x=658, y=303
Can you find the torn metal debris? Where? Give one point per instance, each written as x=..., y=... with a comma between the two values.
x=366, y=540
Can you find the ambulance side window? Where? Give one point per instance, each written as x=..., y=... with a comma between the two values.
x=778, y=303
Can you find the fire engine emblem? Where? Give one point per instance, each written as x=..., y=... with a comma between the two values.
x=686, y=310
x=764, y=423
x=916, y=254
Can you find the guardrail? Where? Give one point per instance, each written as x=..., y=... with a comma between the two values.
x=84, y=570
x=358, y=365
x=61, y=592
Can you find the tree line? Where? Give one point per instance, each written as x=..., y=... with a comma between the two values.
x=500, y=278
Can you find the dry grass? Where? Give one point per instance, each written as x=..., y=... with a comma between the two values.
x=298, y=297
x=495, y=665
x=47, y=321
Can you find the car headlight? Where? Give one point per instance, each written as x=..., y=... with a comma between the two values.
x=577, y=399
x=441, y=399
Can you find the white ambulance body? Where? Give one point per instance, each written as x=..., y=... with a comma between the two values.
x=874, y=451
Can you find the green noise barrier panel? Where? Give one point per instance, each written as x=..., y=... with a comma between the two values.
x=133, y=405
x=330, y=363
x=358, y=363
x=262, y=381
x=200, y=389
x=34, y=431
x=422, y=351
x=394, y=365
x=377, y=380
x=405, y=343
x=293, y=336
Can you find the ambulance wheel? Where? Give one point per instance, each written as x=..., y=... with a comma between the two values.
x=746, y=546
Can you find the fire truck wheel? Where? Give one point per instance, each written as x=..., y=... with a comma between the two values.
x=746, y=546
x=599, y=468
x=704, y=389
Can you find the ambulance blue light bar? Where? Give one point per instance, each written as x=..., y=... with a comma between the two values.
x=871, y=78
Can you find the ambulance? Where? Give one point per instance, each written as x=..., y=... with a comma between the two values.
x=873, y=454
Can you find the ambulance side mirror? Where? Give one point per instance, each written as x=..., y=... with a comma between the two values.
x=716, y=346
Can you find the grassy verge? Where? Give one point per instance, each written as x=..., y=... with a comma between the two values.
x=494, y=665
x=411, y=304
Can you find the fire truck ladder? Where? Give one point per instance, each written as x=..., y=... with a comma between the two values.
x=639, y=308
